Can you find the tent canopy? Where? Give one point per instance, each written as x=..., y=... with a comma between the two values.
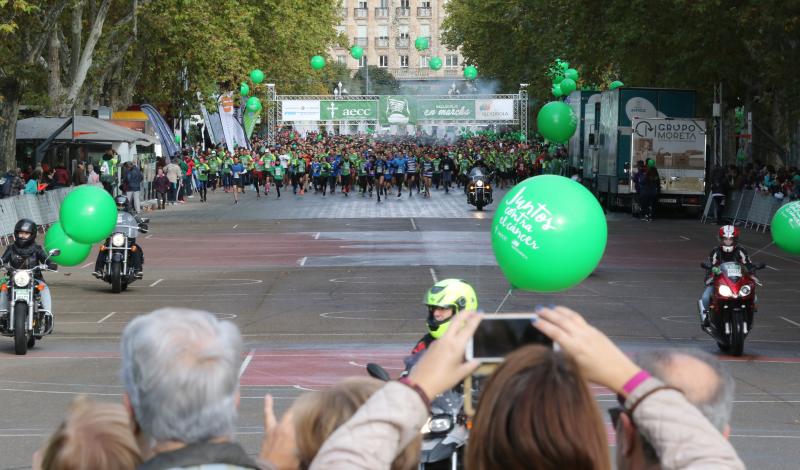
x=85, y=129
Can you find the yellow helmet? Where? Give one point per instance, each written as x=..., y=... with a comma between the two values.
x=448, y=293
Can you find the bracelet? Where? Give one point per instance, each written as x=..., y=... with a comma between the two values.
x=635, y=381
x=412, y=385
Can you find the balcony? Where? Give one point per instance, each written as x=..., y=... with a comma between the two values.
x=402, y=43
x=452, y=71
x=363, y=42
x=410, y=73
x=381, y=43
x=381, y=12
x=424, y=12
x=400, y=11
x=361, y=13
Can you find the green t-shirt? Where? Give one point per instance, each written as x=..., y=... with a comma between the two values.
x=278, y=172
x=325, y=169
x=202, y=171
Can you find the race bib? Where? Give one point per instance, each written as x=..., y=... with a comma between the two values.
x=447, y=167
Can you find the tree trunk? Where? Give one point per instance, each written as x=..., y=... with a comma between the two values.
x=85, y=62
x=9, y=109
x=54, y=90
x=77, y=30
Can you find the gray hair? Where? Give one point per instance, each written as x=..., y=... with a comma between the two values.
x=717, y=404
x=180, y=369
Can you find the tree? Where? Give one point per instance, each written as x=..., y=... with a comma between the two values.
x=381, y=81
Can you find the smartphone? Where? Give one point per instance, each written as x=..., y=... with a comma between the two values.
x=499, y=334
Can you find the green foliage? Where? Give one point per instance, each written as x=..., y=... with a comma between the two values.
x=381, y=81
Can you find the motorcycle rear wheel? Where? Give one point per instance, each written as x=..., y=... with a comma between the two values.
x=20, y=329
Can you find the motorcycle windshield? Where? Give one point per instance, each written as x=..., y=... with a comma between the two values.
x=732, y=271
x=126, y=224
x=477, y=173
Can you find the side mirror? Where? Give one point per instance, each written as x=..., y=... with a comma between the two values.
x=54, y=252
x=145, y=220
x=378, y=372
x=705, y=265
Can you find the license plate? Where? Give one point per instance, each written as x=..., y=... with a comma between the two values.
x=668, y=201
x=21, y=295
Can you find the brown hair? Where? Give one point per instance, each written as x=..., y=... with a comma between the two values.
x=93, y=435
x=318, y=414
x=536, y=412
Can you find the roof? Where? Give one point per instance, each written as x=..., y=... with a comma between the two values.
x=86, y=129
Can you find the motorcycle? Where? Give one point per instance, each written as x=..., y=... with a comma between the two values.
x=479, y=190
x=444, y=434
x=26, y=320
x=118, y=269
x=732, y=306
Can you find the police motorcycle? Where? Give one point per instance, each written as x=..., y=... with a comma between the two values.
x=118, y=269
x=479, y=190
x=26, y=320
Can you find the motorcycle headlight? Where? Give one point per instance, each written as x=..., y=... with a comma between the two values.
x=745, y=291
x=442, y=424
x=118, y=239
x=479, y=184
x=22, y=279
x=725, y=291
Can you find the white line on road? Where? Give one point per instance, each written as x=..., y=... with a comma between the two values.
x=106, y=317
x=792, y=322
x=302, y=261
x=774, y=269
x=685, y=238
x=147, y=237
x=304, y=388
x=156, y=283
x=246, y=362
x=316, y=236
x=86, y=265
x=413, y=224
x=235, y=225
x=433, y=276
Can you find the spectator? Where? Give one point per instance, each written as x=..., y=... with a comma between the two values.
x=79, y=176
x=391, y=418
x=93, y=177
x=173, y=173
x=180, y=371
x=161, y=186
x=32, y=186
x=134, y=180
x=702, y=379
x=93, y=436
x=60, y=177
x=17, y=184
x=318, y=414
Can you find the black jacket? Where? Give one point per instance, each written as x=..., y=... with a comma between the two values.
x=202, y=453
x=26, y=258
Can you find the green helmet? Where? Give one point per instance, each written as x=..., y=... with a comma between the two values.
x=448, y=293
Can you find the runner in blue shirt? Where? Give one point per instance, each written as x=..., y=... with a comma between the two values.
x=399, y=172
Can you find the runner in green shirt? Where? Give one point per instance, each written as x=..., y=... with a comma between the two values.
x=202, y=178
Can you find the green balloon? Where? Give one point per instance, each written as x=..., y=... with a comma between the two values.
x=88, y=214
x=317, y=62
x=568, y=85
x=244, y=89
x=435, y=63
x=356, y=52
x=785, y=228
x=615, y=84
x=548, y=234
x=571, y=74
x=470, y=72
x=253, y=104
x=257, y=76
x=557, y=91
x=177, y=138
x=421, y=43
x=556, y=121
x=72, y=252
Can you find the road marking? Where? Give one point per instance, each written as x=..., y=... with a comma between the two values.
x=792, y=322
x=86, y=265
x=413, y=224
x=304, y=388
x=303, y=260
x=774, y=269
x=433, y=276
x=316, y=236
x=246, y=362
x=147, y=237
x=106, y=317
x=156, y=283
x=235, y=225
x=685, y=238
x=363, y=366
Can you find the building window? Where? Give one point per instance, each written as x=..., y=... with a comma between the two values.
x=362, y=62
x=451, y=60
x=341, y=59
x=383, y=31
x=383, y=61
x=404, y=61
x=425, y=30
x=362, y=5
x=403, y=30
x=423, y=61
x=405, y=4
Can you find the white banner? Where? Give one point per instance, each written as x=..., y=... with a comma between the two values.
x=494, y=110
x=300, y=110
x=233, y=131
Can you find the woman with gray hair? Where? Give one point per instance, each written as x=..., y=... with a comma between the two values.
x=180, y=370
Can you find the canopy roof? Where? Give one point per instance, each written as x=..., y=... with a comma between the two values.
x=84, y=129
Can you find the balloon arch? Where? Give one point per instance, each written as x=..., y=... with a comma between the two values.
x=442, y=115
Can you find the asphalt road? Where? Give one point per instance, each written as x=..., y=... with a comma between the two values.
x=321, y=286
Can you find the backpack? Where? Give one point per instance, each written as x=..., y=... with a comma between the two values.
x=6, y=183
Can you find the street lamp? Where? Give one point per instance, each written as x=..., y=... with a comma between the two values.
x=339, y=91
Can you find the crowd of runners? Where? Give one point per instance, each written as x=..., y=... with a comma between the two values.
x=367, y=166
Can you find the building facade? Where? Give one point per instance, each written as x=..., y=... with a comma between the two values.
x=387, y=30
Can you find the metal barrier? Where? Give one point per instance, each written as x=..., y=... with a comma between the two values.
x=41, y=208
x=749, y=207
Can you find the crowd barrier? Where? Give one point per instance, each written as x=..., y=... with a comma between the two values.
x=41, y=208
x=751, y=208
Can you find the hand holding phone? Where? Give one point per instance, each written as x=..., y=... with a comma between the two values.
x=500, y=334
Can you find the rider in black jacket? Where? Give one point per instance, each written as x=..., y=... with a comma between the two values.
x=728, y=251
x=24, y=253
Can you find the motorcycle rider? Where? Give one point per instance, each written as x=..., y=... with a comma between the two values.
x=137, y=256
x=444, y=300
x=24, y=253
x=728, y=251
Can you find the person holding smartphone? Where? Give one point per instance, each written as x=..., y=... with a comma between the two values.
x=444, y=300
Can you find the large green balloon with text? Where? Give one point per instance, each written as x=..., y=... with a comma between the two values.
x=88, y=214
x=72, y=252
x=785, y=227
x=548, y=234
